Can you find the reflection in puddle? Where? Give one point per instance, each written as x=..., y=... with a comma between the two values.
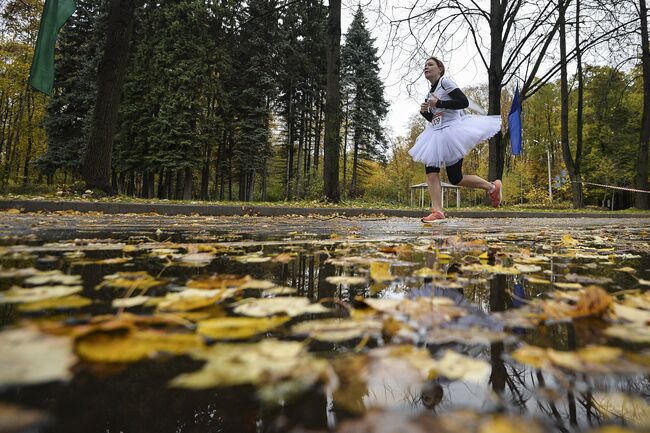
x=475, y=271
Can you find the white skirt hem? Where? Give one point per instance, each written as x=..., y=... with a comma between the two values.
x=438, y=147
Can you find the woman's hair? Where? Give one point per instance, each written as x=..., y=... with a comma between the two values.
x=439, y=63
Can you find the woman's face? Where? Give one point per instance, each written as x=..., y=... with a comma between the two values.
x=431, y=70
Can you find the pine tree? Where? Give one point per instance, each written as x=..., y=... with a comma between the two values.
x=69, y=111
x=368, y=107
x=164, y=98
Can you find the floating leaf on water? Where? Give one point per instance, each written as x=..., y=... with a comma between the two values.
x=527, y=269
x=635, y=333
x=65, y=303
x=252, y=258
x=217, y=281
x=193, y=299
x=455, y=366
x=252, y=283
x=568, y=286
x=535, y=280
x=132, y=346
x=346, y=279
x=380, y=272
x=196, y=259
x=234, y=328
x=113, y=261
x=587, y=279
x=37, y=294
x=283, y=258
x=593, y=301
x=139, y=280
x=474, y=335
x=590, y=359
x=493, y=269
x=631, y=314
x=53, y=277
x=337, y=330
x=292, y=306
x=265, y=363
x=627, y=270
x=30, y=357
x=134, y=301
x=631, y=409
x=568, y=241
x=426, y=273
x=279, y=291
x=18, y=273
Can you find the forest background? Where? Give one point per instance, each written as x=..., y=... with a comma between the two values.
x=225, y=100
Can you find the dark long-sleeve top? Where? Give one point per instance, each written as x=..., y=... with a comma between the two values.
x=457, y=100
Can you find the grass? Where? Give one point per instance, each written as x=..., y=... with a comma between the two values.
x=357, y=203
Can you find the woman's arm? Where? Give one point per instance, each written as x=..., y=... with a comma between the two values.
x=458, y=101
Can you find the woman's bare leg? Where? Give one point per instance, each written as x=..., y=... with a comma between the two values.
x=473, y=181
x=435, y=191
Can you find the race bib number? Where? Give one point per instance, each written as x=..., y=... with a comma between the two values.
x=436, y=120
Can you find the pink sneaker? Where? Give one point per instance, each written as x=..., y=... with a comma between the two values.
x=496, y=194
x=436, y=215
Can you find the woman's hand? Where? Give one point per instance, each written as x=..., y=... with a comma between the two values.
x=424, y=107
x=433, y=101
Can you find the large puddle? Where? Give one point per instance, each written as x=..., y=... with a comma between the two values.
x=151, y=324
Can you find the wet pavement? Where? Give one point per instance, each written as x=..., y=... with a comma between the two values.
x=463, y=258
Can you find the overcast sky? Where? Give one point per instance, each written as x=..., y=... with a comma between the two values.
x=461, y=68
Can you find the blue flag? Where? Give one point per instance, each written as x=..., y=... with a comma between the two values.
x=514, y=123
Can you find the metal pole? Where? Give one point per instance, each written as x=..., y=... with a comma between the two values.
x=548, y=159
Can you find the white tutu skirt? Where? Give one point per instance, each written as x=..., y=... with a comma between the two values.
x=447, y=145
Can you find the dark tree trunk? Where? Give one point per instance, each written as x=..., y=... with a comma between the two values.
x=264, y=186
x=289, y=168
x=572, y=167
x=205, y=173
x=30, y=137
x=643, y=199
x=110, y=79
x=169, y=182
x=345, y=143
x=579, y=112
x=161, y=184
x=178, y=188
x=332, y=107
x=355, y=162
x=188, y=179
x=495, y=78
x=319, y=117
x=300, y=156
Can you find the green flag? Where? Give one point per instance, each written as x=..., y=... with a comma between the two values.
x=55, y=14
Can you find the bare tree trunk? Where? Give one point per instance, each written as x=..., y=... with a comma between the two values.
x=299, y=158
x=161, y=184
x=642, y=199
x=289, y=170
x=579, y=112
x=572, y=168
x=188, y=179
x=14, y=137
x=345, y=143
x=110, y=80
x=319, y=118
x=30, y=137
x=495, y=78
x=355, y=162
x=205, y=172
x=332, y=109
